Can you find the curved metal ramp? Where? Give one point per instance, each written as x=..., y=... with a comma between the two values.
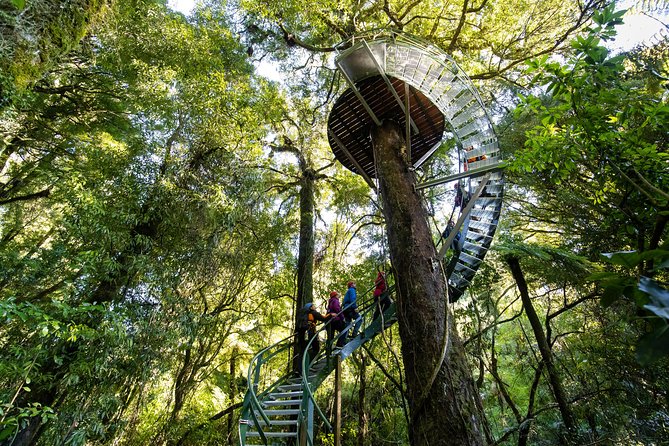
x=421, y=88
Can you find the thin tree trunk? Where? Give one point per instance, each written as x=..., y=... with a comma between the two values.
x=501, y=385
x=305, y=258
x=524, y=431
x=362, y=415
x=443, y=405
x=232, y=393
x=544, y=348
x=337, y=402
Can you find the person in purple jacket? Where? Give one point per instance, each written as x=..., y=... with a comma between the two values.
x=337, y=322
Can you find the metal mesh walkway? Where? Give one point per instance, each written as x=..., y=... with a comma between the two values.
x=384, y=76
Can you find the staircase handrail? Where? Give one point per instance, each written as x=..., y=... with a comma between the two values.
x=366, y=307
x=252, y=378
x=305, y=369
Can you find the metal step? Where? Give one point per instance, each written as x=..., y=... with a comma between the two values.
x=251, y=442
x=486, y=202
x=275, y=403
x=280, y=412
x=490, y=215
x=471, y=261
x=275, y=395
x=277, y=422
x=289, y=387
x=479, y=251
x=481, y=225
x=486, y=162
x=272, y=434
x=472, y=112
x=458, y=280
x=298, y=381
x=492, y=190
x=464, y=269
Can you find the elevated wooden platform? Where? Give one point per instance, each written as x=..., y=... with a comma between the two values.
x=350, y=123
x=384, y=74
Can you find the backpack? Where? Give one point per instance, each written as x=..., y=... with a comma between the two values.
x=305, y=320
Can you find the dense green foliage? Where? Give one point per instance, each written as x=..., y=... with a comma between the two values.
x=149, y=184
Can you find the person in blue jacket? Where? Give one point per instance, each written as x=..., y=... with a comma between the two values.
x=351, y=308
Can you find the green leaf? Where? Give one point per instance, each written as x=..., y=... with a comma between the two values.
x=611, y=294
x=659, y=297
x=653, y=346
x=601, y=275
x=19, y=4
x=629, y=259
x=7, y=432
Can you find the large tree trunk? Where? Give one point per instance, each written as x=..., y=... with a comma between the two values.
x=544, y=348
x=444, y=407
x=305, y=257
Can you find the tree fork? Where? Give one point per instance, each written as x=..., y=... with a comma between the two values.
x=450, y=414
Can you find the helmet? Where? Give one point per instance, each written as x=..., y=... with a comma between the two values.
x=309, y=305
x=334, y=294
x=350, y=284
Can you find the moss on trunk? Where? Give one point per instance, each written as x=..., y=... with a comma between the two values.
x=447, y=412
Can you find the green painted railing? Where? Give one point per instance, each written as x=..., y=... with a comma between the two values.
x=252, y=400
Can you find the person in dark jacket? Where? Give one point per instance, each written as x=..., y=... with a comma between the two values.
x=381, y=296
x=306, y=330
x=455, y=244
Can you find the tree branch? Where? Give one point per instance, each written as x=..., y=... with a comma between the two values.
x=40, y=194
x=292, y=40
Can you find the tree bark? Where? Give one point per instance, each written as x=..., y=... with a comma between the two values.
x=305, y=258
x=444, y=408
x=232, y=393
x=362, y=415
x=544, y=348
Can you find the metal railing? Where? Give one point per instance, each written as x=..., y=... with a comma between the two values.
x=366, y=311
x=254, y=411
x=255, y=377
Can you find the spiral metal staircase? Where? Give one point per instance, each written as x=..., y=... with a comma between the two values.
x=280, y=407
x=421, y=88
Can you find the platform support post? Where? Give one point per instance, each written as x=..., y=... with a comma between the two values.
x=407, y=118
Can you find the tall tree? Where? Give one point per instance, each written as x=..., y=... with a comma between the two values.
x=130, y=140
x=439, y=381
